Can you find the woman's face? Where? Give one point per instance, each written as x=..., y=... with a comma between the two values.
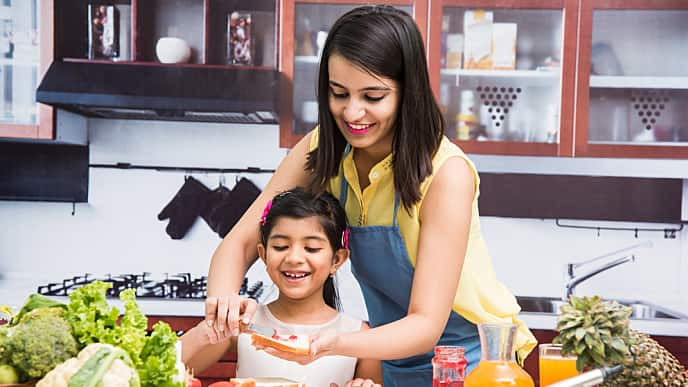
x=363, y=105
x=299, y=258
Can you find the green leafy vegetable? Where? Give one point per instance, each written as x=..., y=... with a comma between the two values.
x=94, y=321
x=35, y=301
x=158, y=358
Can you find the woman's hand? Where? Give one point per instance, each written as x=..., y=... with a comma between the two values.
x=224, y=312
x=322, y=344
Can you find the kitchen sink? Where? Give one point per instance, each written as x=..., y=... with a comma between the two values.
x=640, y=310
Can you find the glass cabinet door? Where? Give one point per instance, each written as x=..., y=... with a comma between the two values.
x=501, y=75
x=637, y=73
x=22, y=63
x=306, y=24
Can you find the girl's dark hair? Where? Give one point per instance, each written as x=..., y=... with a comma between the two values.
x=385, y=42
x=298, y=204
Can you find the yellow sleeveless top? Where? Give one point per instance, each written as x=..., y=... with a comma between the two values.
x=480, y=297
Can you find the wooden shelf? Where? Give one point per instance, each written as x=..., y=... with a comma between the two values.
x=624, y=82
x=544, y=74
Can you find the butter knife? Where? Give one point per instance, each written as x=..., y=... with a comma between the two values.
x=258, y=328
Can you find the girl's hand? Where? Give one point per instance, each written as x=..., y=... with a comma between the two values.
x=224, y=312
x=206, y=333
x=358, y=383
x=322, y=344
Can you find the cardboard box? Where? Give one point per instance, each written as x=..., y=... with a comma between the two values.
x=477, y=28
x=504, y=46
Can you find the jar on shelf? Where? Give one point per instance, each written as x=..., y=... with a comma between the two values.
x=467, y=120
x=448, y=366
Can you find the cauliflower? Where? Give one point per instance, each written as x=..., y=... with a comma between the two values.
x=101, y=365
x=40, y=340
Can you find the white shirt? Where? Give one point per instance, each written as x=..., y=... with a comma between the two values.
x=320, y=373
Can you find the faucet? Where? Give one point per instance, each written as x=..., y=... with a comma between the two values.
x=574, y=280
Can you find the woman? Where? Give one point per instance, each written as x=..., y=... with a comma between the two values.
x=411, y=199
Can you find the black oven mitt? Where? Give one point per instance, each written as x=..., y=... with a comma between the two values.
x=216, y=197
x=223, y=216
x=184, y=208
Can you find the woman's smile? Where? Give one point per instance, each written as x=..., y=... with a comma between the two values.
x=358, y=128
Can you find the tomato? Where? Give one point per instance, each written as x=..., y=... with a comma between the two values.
x=194, y=382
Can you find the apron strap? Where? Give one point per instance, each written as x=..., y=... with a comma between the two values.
x=344, y=190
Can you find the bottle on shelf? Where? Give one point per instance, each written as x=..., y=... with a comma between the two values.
x=497, y=367
x=467, y=120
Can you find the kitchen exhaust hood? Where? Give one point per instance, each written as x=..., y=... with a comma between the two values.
x=160, y=92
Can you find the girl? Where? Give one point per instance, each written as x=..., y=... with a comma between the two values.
x=411, y=197
x=303, y=242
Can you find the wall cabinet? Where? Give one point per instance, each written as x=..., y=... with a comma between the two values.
x=632, y=98
x=504, y=74
x=26, y=42
x=203, y=24
x=578, y=78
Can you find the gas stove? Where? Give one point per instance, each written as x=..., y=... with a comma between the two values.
x=148, y=285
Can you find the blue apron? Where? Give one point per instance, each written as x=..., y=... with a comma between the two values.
x=381, y=265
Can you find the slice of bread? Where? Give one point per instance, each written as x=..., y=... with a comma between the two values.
x=298, y=344
x=264, y=382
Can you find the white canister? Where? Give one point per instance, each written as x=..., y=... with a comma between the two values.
x=172, y=50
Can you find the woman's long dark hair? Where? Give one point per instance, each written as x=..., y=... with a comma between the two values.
x=299, y=204
x=385, y=42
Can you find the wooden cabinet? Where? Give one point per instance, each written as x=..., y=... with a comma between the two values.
x=504, y=74
x=222, y=370
x=632, y=97
x=678, y=346
x=305, y=24
x=571, y=78
x=26, y=51
x=203, y=24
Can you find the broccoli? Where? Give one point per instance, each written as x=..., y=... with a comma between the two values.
x=41, y=340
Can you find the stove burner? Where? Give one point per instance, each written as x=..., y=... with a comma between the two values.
x=172, y=286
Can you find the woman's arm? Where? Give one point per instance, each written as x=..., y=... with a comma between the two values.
x=446, y=217
x=368, y=369
x=237, y=251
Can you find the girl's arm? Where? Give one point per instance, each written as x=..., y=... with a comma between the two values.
x=368, y=368
x=200, y=348
x=237, y=251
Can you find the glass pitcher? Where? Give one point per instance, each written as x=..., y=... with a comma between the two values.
x=497, y=365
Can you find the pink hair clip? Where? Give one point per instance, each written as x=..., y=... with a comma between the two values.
x=345, y=238
x=266, y=211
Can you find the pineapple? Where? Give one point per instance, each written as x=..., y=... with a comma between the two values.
x=597, y=331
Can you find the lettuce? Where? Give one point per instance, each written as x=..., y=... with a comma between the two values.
x=94, y=321
x=158, y=358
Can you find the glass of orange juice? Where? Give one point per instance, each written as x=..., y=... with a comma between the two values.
x=555, y=367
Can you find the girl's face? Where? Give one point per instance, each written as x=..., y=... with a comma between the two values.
x=299, y=258
x=363, y=105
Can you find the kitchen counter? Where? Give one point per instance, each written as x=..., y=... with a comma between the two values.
x=662, y=327
x=14, y=290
